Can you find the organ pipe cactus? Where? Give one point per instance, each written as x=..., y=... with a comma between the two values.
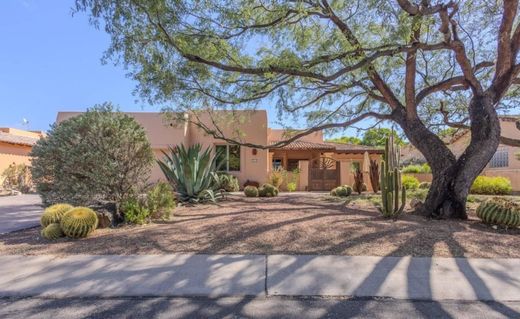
x=499, y=211
x=393, y=194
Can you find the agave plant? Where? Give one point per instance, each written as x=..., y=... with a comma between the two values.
x=191, y=172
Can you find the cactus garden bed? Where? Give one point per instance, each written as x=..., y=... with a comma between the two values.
x=292, y=223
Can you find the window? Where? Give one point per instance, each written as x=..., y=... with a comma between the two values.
x=500, y=159
x=277, y=163
x=292, y=164
x=228, y=158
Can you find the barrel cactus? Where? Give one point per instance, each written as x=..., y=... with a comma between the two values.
x=79, y=222
x=267, y=190
x=52, y=231
x=251, y=191
x=343, y=191
x=499, y=211
x=54, y=213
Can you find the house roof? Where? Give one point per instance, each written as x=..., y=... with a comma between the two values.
x=304, y=145
x=353, y=148
x=17, y=139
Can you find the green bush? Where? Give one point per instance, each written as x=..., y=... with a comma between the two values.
x=267, y=190
x=54, y=213
x=251, y=191
x=410, y=182
x=291, y=186
x=79, y=222
x=160, y=201
x=425, y=185
x=417, y=169
x=228, y=182
x=17, y=177
x=98, y=155
x=499, y=211
x=487, y=185
x=419, y=194
x=135, y=211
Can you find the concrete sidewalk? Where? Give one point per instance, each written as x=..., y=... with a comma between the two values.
x=255, y=275
x=19, y=212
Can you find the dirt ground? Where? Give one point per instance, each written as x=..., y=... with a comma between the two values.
x=296, y=223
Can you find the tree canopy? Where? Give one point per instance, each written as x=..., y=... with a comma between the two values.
x=371, y=137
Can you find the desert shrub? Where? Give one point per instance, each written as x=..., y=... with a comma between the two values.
x=17, y=177
x=135, y=211
x=251, y=191
x=267, y=190
x=499, y=211
x=79, y=222
x=228, y=182
x=277, y=177
x=487, y=185
x=416, y=169
x=291, y=186
x=419, y=194
x=355, y=188
x=410, y=182
x=425, y=185
x=53, y=214
x=101, y=154
x=160, y=201
x=192, y=173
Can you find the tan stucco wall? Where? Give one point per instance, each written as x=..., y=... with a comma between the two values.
x=281, y=134
x=11, y=153
x=14, y=131
x=346, y=174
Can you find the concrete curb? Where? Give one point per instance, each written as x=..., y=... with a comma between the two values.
x=256, y=275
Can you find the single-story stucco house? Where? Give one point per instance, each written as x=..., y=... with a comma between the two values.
x=15, y=146
x=504, y=162
x=322, y=165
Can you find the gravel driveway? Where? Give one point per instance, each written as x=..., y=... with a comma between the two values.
x=19, y=212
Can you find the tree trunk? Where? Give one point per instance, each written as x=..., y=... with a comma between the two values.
x=452, y=178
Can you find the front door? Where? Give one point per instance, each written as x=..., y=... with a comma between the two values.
x=324, y=174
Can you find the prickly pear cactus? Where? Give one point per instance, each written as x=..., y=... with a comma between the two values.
x=79, y=222
x=499, y=211
x=52, y=231
x=53, y=214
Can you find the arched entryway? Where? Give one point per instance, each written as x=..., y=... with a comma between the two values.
x=324, y=174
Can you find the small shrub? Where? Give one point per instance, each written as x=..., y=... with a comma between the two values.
x=53, y=214
x=419, y=194
x=251, y=191
x=160, y=201
x=487, y=185
x=228, y=182
x=363, y=188
x=52, y=231
x=267, y=190
x=425, y=185
x=499, y=211
x=277, y=177
x=291, y=186
x=79, y=222
x=472, y=199
x=410, y=182
x=135, y=211
x=17, y=177
x=417, y=169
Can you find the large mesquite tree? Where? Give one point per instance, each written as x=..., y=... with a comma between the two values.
x=422, y=65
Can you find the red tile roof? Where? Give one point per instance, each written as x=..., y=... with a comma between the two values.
x=353, y=148
x=17, y=139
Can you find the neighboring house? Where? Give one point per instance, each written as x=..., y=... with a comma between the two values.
x=322, y=165
x=504, y=162
x=15, y=146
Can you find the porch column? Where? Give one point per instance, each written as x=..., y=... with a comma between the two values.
x=303, y=184
x=344, y=171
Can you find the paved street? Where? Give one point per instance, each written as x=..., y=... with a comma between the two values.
x=246, y=307
x=19, y=212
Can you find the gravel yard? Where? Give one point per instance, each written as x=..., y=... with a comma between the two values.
x=296, y=223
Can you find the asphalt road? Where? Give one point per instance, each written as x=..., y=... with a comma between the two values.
x=19, y=212
x=244, y=307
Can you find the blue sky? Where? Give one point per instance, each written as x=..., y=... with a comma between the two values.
x=50, y=62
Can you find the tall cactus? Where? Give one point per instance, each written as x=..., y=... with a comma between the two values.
x=393, y=194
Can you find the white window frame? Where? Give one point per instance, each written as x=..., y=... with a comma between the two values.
x=501, y=158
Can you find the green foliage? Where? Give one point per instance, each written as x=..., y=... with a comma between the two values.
x=291, y=186
x=277, y=177
x=410, y=182
x=391, y=188
x=345, y=140
x=228, y=182
x=54, y=213
x=191, y=172
x=79, y=222
x=17, y=177
x=251, y=191
x=487, y=185
x=52, y=231
x=98, y=155
x=342, y=191
x=499, y=211
x=419, y=194
x=135, y=211
x=378, y=136
x=417, y=169
x=267, y=190
x=425, y=185
x=160, y=201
